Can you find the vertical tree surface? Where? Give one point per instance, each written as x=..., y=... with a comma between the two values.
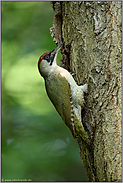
x=92, y=34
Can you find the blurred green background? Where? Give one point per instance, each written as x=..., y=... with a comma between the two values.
x=36, y=144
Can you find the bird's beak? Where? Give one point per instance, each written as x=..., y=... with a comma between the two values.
x=53, y=52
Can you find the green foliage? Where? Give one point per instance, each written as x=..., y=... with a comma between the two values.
x=36, y=144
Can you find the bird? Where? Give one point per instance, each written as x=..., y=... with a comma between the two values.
x=65, y=94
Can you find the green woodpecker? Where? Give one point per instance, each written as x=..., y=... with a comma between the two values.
x=62, y=90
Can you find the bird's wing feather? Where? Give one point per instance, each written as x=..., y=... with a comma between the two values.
x=59, y=92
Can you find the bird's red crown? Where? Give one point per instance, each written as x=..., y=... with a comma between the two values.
x=40, y=59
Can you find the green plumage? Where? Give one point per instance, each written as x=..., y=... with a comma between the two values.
x=59, y=92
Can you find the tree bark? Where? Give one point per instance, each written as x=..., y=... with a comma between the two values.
x=92, y=32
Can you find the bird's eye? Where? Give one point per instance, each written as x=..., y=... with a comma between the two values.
x=47, y=57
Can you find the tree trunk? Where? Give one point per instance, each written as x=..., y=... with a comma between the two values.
x=92, y=34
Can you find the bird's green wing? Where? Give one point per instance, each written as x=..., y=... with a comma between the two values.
x=59, y=92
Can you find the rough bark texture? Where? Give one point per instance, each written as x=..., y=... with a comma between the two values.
x=92, y=34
